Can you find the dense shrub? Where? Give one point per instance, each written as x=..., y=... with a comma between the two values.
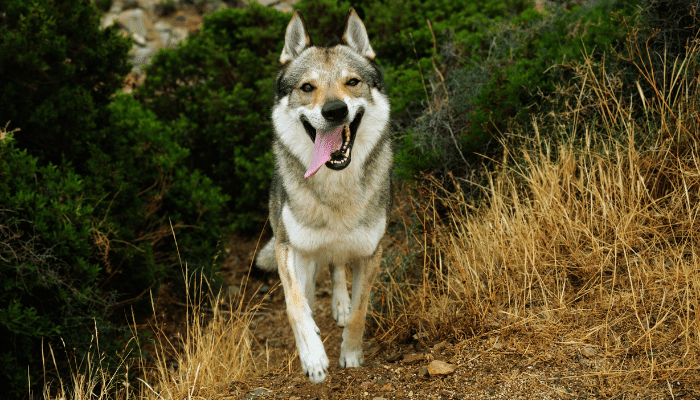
x=498, y=75
x=49, y=281
x=671, y=26
x=88, y=191
x=218, y=87
x=71, y=246
x=674, y=23
x=57, y=72
x=138, y=174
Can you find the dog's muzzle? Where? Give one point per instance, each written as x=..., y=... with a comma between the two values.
x=334, y=112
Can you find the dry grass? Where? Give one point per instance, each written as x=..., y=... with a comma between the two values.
x=216, y=350
x=592, y=242
x=4, y=133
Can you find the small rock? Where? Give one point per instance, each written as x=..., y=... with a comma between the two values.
x=420, y=335
x=212, y=6
x=365, y=385
x=379, y=398
x=116, y=7
x=135, y=21
x=148, y=5
x=439, y=346
x=438, y=367
x=589, y=351
x=413, y=358
x=264, y=289
x=233, y=291
x=139, y=40
x=140, y=56
x=394, y=357
x=256, y=393
x=423, y=372
x=107, y=20
x=387, y=388
x=284, y=7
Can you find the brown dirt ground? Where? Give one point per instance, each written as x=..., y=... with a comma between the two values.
x=488, y=366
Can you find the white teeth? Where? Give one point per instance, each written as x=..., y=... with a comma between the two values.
x=344, y=149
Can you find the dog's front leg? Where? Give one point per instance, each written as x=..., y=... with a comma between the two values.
x=308, y=337
x=363, y=275
x=340, y=302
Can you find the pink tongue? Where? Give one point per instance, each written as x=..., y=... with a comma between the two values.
x=325, y=144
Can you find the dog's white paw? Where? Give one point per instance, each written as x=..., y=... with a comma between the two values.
x=340, y=307
x=351, y=358
x=313, y=358
x=315, y=366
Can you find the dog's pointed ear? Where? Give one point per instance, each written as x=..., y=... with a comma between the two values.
x=355, y=35
x=296, y=39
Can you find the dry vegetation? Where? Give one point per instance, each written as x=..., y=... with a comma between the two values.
x=591, y=243
x=587, y=247
x=215, y=349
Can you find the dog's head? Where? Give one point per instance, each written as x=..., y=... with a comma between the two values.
x=328, y=91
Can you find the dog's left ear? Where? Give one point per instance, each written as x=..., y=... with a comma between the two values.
x=355, y=35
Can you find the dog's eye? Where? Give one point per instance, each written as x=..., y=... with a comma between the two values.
x=353, y=82
x=307, y=88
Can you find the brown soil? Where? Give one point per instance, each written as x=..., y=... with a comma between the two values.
x=488, y=366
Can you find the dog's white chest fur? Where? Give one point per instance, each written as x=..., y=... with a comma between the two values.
x=335, y=230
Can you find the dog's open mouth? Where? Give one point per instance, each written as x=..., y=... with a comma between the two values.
x=332, y=148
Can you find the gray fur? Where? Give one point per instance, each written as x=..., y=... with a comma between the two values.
x=338, y=216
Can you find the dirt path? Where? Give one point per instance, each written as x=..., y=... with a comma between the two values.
x=488, y=367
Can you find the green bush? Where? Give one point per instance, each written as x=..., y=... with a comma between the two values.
x=217, y=86
x=143, y=186
x=50, y=283
x=497, y=75
x=58, y=71
x=88, y=190
x=75, y=245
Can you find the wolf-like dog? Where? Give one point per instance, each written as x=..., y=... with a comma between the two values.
x=331, y=187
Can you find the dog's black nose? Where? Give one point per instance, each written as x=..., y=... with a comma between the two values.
x=335, y=111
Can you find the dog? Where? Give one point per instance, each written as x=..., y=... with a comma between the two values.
x=331, y=189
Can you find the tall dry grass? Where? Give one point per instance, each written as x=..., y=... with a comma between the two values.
x=590, y=240
x=215, y=350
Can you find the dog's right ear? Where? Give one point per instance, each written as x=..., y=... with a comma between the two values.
x=296, y=39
